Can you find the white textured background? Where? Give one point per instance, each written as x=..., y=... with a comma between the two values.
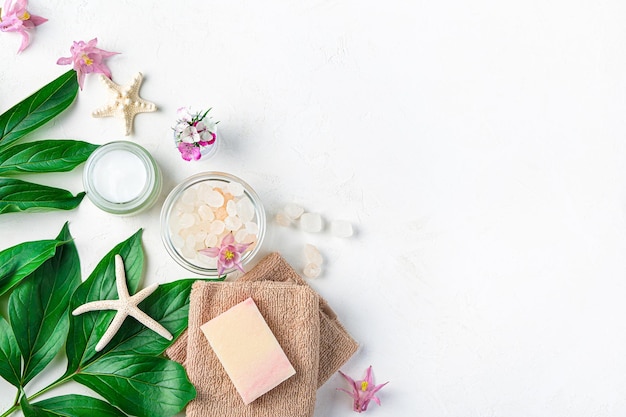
x=478, y=147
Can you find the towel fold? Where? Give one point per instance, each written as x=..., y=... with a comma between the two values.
x=304, y=324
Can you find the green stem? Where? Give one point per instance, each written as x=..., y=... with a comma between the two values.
x=55, y=384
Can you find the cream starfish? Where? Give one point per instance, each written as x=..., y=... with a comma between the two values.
x=126, y=102
x=125, y=306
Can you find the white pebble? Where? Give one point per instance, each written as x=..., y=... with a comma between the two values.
x=293, y=211
x=341, y=228
x=282, y=219
x=312, y=255
x=311, y=222
x=312, y=271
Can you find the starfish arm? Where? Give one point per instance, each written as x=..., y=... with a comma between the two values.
x=108, y=110
x=116, y=88
x=96, y=306
x=150, y=323
x=143, y=294
x=115, y=325
x=120, y=279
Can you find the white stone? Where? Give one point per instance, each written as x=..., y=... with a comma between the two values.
x=241, y=236
x=312, y=254
x=293, y=211
x=341, y=228
x=312, y=271
x=282, y=219
x=311, y=222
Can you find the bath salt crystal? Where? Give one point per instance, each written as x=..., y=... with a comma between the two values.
x=312, y=254
x=235, y=189
x=251, y=227
x=282, y=219
x=217, y=227
x=206, y=213
x=341, y=228
x=187, y=220
x=245, y=209
x=232, y=223
x=293, y=211
x=311, y=222
x=189, y=197
x=231, y=208
x=211, y=241
x=312, y=271
x=214, y=198
x=241, y=236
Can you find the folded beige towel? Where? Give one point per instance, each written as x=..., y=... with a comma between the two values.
x=291, y=313
x=336, y=345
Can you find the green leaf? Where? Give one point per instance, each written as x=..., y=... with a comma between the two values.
x=38, y=109
x=19, y=261
x=38, y=307
x=169, y=305
x=87, y=329
x=10, y=361
x=44, y=156
x=17, y=195
x=30, y=411
x=139, y=385
x=74, y=405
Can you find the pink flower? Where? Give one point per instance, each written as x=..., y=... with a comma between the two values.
x=87, y=59
x=363, y=391
x=189, y=151
x=228, y=253
x=17, y=19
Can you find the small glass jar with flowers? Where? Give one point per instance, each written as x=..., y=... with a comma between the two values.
x=195, y=134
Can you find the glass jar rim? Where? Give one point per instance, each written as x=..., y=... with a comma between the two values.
x=176, y=193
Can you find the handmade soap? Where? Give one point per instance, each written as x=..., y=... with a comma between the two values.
x=248, y=350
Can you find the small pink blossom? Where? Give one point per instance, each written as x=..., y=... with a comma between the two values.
x=228, y=253
x=363, y=391
x=87, y=59
x=15, y=18
x=193, y=131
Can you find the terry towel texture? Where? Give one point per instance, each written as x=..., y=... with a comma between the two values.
x=306, y=328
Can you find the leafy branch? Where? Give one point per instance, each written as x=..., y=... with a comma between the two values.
x=130, y=373
x=39, y=156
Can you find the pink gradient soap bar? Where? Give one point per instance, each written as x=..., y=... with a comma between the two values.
x=248, y=350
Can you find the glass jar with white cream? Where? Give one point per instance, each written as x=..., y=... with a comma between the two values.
x=122, y=178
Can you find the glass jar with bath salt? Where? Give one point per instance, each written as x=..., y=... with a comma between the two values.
x=122, y=178
x=205, y=214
